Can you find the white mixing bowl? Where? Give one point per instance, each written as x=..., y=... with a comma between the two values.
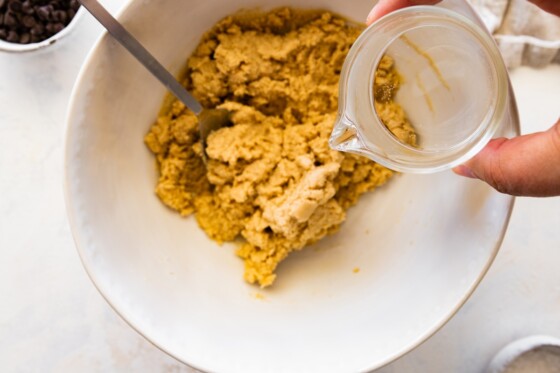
x=422, y=243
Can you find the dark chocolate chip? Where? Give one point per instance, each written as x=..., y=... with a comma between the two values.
x=58, y=27
x=27, y=8
x=13, y=37
x=38, y=29
x=61, y=16
x=50, y=28
x=15, y=6
x=28, y=21
x=51, y=13
x=9, y=19
x=43, y=12
x=3, y=34
x=25, y=38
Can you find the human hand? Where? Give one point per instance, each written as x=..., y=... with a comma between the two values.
x=387, y=6
x=384, y=7
x=526, y=165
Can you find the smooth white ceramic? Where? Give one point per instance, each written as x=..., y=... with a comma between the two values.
x=422, y=243
x=516, y=350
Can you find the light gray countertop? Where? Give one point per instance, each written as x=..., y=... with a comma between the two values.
x=53, y=319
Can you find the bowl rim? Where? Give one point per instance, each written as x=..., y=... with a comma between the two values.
x=23, y=48
x=514, y=350
x=80, y=247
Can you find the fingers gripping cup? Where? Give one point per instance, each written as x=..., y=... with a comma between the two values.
x=449, y=83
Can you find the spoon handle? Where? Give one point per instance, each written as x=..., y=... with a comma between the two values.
x=141, y=54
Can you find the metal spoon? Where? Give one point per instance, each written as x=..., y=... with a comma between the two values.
x=208, y=119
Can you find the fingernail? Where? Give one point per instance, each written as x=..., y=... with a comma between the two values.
x=371, y=15
x=464, y=171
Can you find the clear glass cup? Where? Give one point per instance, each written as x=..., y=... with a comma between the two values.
x=454, y=90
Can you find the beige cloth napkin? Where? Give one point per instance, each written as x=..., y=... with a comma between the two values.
x=525, y=34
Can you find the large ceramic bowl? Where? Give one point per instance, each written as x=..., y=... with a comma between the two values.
x=422, y=243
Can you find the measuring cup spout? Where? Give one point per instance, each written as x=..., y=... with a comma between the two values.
x=344, y=136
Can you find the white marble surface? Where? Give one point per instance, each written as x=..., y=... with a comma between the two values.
x=53, y=320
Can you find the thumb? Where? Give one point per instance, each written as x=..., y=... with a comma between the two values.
x=384, y=7
x=526, y=165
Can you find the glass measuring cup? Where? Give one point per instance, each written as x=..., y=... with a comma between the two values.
x=453, y=90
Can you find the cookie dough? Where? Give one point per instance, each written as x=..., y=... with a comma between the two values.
x=271, y=182
x=386, y=85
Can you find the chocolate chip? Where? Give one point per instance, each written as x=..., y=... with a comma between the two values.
x=50, y=28
x=50, y=9
x=28, y=21
x=37, y=30
x=58, y=27
x=43, y=12
x=25, y=38
x=9, y=19
x=61, y=15
x=27, y=8
x=53, y=28
x=13, y=37
x=15, y=6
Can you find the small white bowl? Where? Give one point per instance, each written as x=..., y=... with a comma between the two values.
x=20, y=48
x=518, y=350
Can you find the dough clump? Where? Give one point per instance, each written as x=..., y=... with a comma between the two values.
x=271, y=181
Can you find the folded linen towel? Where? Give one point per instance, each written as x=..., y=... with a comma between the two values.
x=526, y=34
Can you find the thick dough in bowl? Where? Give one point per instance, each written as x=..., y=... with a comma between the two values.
x=271, y=180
